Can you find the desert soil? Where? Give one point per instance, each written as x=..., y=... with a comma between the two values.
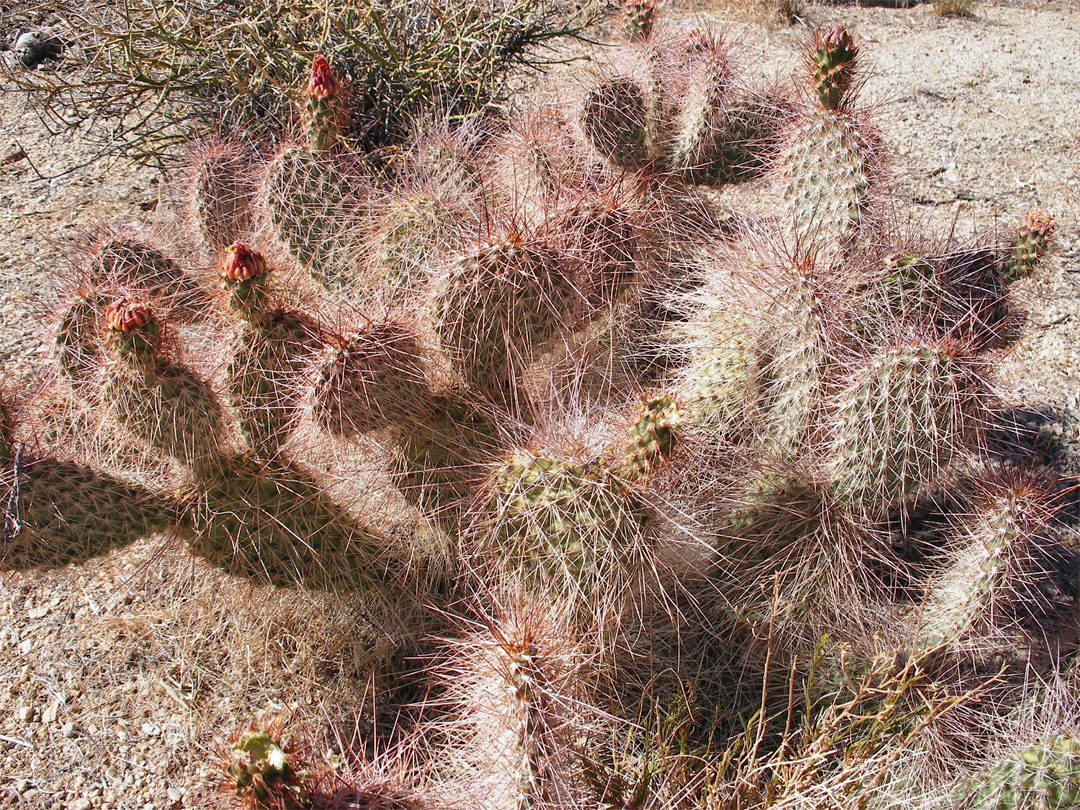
x=119, y=676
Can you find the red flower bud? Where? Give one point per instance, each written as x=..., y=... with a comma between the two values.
x=1037, y=221
x=240, y=263
x=125, y=316
x=323, y=83
x=835, y=38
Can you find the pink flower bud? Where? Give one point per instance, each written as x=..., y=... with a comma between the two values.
x=240, y=263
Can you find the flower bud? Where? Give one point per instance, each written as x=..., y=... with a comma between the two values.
x=240, y=263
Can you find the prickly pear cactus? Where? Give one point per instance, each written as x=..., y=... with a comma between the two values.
x=499, y=306
x=1029, y=245
x=1042, y=776
x=901, y=419
x=525, y=384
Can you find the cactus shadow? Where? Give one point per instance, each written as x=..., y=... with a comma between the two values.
x=61, y=512
x=271, y=523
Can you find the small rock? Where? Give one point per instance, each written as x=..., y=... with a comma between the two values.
x=12, y=156
x=26, y=713
x=150, y=730
x=33, y=49
x=175, y=795
x=68, y=729
x=80, y=804
x=50, y=713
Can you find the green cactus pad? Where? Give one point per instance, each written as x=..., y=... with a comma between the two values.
x=1029, y=244
x=568, y=527
x=261, y=771
x=718, y=385
x=638, y=19
x=222, y=192
x=832, y=65
x=122, y=263
x=607, y=241
x=312, y=203
x=652, y=438
x=827, y=187
x=498, y=307
x=80, y=350
x=442, y=455
x=793, y=356
x=415, y=234
x=1043, y=776
x=265, y=376
x=704, y=118
x=169, y=408
x=372, y=380
x=899, y=423
x=1001, y=577
x=615, y=118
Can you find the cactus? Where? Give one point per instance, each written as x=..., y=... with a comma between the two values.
x=265, y=372
x=312, y=199
x=704, y=120
x=221, y=193
x=718, y=385
x=124, y=264
x=259, y=768
x=550, y=395
x=243, y=276
x=499, y=306
x=638, y=18
x=901, y=419
x=571, y=528
x=607, y=241
x=1029, y=244
x=833, y=65
x=160, y=402
x=371, y=380
x=80, y=349
x=441, y=456
x=616, y=117
x=1043, y=775
x=829, y=168
x=411, y=239
x=828, y=175
x=1000, y=578
x=652, y=438
x=322, y=105
x=793, y=354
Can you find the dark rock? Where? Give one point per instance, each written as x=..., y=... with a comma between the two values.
x=33, y=48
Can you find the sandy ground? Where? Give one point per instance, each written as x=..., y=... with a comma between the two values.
x=117, y=676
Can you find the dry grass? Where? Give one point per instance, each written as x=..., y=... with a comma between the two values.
x=954, y=8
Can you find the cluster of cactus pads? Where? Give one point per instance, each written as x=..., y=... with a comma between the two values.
x=648, y=453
